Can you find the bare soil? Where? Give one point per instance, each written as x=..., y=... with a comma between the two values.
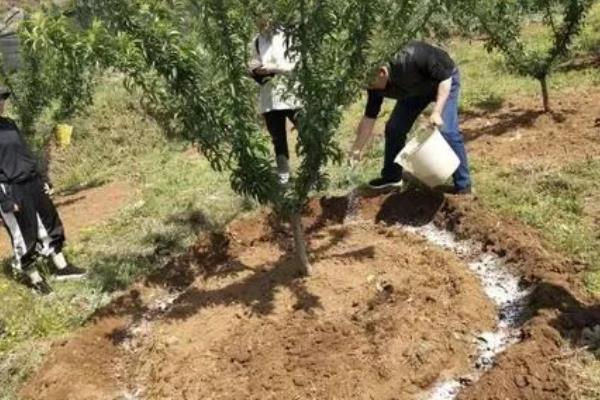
x=84, y=209
x=520, y=133
x=384, y=317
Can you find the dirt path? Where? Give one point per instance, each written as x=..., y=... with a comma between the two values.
x=83, y=210
x=385, y=316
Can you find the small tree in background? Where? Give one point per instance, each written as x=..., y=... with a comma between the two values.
x=502, y=20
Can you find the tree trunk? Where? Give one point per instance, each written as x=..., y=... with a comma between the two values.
x=300, y=244
x=545, y=96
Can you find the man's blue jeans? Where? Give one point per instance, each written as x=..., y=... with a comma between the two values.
x=404, y=116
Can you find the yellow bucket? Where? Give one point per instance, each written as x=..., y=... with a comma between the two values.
x=63, y=133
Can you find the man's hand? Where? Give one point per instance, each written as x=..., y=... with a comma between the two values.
x=17, y=208
x=436, y=120
x=442, y=97
x=364, y=132
x=48, y=189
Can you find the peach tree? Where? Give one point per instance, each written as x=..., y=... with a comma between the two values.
x=188, y=59
x=502, y=21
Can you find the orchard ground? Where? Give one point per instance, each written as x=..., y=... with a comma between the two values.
x=537, y=193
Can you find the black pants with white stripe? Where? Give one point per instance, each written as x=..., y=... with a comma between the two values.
x=36, y=229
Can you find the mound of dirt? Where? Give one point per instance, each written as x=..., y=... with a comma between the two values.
x=559, y=308
x=519, y=244
x=83, y=367
x=384, y=317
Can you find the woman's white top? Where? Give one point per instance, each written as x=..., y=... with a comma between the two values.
x=274, y=94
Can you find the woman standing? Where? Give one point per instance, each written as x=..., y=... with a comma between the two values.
x=26, y=208
x=269, y=64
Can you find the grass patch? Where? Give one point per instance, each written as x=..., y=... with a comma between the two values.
x=180, y=199
x=588, y=40
x=18, y=365
x=487, y=83
x=44, y=316
x=552, y=201
x=115, y=139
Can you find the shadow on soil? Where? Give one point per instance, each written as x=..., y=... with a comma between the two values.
x=572, y=317
x=68, y=202
x=191, y=222
x=116, y=271
x=214, y=258
x=72, y=190
x=491, y=103
x=580, y=63
x=503, y=123
x=414, y=207
x=256, y=292
x=507, y=122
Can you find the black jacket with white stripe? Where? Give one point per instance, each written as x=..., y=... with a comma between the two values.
x=17, y=162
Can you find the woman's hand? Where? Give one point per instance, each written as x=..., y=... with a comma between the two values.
x=267, y=69
x=254, y=64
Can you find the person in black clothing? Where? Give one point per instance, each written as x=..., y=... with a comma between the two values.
x=419, y=75
x=26, y=209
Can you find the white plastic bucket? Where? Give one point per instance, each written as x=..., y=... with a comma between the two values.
x=429, y=158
